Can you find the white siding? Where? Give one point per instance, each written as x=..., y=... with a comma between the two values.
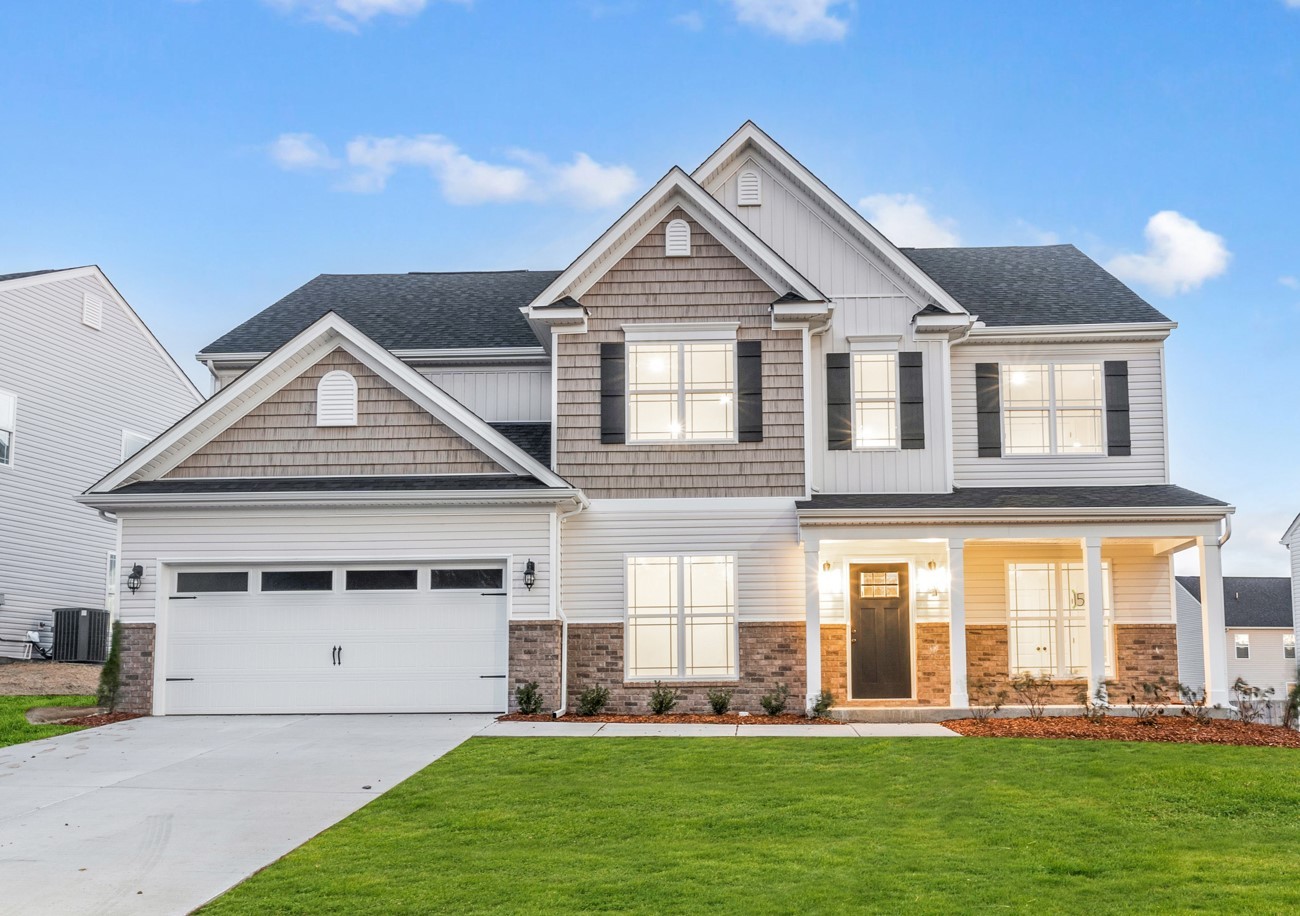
x=1147, y=464
x=763, y=533
x=77, y=389
x=498, y=394
x=925, y=608
x=1266, y=666
x=336, y=535
x=1191, y=648
x=1295, y=584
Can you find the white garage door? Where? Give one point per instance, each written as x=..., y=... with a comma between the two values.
x=419, y=638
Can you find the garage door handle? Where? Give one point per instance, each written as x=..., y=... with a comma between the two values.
x=492, y=594
x=491, y=676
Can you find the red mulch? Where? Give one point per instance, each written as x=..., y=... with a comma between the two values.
x=682, y=718
x=1120, y=728
x=107, y=718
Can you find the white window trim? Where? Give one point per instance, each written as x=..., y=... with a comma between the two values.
x=681, y=620
x=887, y=345
x=12, y=431
x=681, y=333
x=1108, y=579
x=1054, y=450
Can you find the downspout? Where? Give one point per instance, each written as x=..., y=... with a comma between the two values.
x=1227, y=530
x=110, y=517
x=559, y=611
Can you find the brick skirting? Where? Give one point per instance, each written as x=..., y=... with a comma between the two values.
x=933, y=665
x=137, y=656
x=769, y=653
x=835, y=666
x=535, y=656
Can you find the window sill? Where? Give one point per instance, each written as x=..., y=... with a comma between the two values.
x=682, y=442
x=681, y=682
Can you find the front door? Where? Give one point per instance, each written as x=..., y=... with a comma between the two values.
x=880, y=635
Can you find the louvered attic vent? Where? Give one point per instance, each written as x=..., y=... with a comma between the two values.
x=336, y=400
x=677, y=239
x=749, y=189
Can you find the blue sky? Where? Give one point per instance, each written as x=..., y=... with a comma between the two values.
x=212, y=155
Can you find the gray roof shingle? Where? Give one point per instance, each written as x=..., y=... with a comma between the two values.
x=30, y=273
x=333, y=484
x=415, y=311
x=1250, y=601
x=1033, y=285
x=1153, y=496
x=533, y=438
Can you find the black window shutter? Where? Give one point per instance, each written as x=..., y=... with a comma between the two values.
x=613, y=394
x=1118, y=438
x=749, y=401
x=911, y=400
x=839, y=401
x=988, y=409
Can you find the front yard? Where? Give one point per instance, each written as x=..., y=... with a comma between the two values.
x=765, y=825
x=14, y=727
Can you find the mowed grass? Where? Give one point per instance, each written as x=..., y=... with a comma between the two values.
x=784, y=825
x=14, y=727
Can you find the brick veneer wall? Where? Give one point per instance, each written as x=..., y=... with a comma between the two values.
x=835, y=662
x=136, y=652
x=933, y=672
x=1143, y=653
x=769, y=653
x=535, y=656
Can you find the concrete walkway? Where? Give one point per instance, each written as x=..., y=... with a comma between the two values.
x=158, y=816
x=576, y=728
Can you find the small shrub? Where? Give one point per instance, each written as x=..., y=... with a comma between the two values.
x=1033, y=691
x=985, y=698
x=1253, y=704
x=822, y=704
x=528, y=698
x=110, y=676
x=592, y=700
x=1098, y=704
x=1196, y=703
x=1291, y=705
x=720, y=701
x=774, y=702
x=1150, y=705
x=663, y=698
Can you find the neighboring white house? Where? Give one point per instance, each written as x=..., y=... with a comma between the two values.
x=83, y=384
x=1291, y=541
x=1260, y=631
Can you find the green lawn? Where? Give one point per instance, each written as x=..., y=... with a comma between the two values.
x=14, y=727
x=784, y=825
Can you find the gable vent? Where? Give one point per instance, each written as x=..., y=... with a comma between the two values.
x=749, y=189
x=677, y=239
x=92, y=311
x=336, y=399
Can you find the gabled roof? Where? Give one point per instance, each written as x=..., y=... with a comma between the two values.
x=1144, y=500
x=252, y=388
x=1250, y=601
x=402, y=312
x=1034, y=285
x=32, y=273
x=675, y=189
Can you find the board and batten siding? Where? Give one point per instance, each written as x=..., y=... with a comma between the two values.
x=280, y=438
x=77, y=388
x=1147, y=465
x=646, y=287
x=389, y=536
x=498, y=394
x=762, y=533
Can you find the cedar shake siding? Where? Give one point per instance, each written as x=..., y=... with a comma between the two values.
x=280, y=438
x=646, y=287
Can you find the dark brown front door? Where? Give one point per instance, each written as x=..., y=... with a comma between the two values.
x=880, y=635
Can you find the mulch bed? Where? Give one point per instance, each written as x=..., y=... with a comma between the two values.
x=107, y=718
x=67, y=715
x=1119, y=728
x=684, y=718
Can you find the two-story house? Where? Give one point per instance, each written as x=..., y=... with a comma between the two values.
x=83, y=384
x=742, y=440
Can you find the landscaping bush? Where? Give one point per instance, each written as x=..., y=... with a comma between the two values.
x=592, y=700
x=663, y=698
x=1291, y=704
x=822, y=705
x=1150, y=706
x=529, y=698
x=1196, y=703
x=1033, y=691
x=110, y=676
x=720, y=701
x=1253, y=704
x=1097, y=705
x=775, y=701
x=985, y=698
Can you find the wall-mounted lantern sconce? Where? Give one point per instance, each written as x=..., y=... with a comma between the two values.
x=133, y=580
x=932, y=580
x=830, y=582
x=530, y=575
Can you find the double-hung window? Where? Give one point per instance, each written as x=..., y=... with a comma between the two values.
x=681, y=617
x=1053, y=409
x=875, y=400
x=1241, y=642
x=8, y=422
x=681, y=391
x=1288, y=645
x=1047, y=617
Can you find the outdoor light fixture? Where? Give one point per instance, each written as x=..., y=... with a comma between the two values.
x=530, y=575
x=932, y=579
x=830, y=582
x=133, y=580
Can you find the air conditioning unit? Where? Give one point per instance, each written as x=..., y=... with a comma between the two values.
x=80, y=634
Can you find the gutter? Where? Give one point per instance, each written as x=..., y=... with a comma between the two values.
x=1227, y=530
x=907, y=515
x=559, y=610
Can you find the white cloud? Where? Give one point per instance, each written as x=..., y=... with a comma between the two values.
x=1290, y=282
x=691, y=21
x=1180, y=255
x=907, y=222
x=1292, y=4
x=1035, y=235
x=372, y=161
x=794, y=20
x=349, y=15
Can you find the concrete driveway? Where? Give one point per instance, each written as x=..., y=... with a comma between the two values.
x=161, y=815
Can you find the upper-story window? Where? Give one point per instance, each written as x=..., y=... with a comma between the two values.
x=681, y=391
x=875, y=400
x=336, y=399
x=1053, y=409
x=1241, y=642
x=677, y=239
x=8, y=418
x=1288, y=645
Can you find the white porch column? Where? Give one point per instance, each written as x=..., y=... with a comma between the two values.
x=1096, y=613
x=1213, y=635
x=813, y=619
x=957, y=695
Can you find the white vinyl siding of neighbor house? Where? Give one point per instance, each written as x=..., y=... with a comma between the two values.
x=337, y=535
x=1295, y=583
x=498, y=394
x=1148, y=463
x=1267, y=666
x=762, y=534
x=1191, y=647
x=77, y=391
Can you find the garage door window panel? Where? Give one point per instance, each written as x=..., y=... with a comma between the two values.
x=204, y=582
x=466, y=579
x=298, y=580
x=381, y=580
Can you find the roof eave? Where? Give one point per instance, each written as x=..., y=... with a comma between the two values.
x=540, y=495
